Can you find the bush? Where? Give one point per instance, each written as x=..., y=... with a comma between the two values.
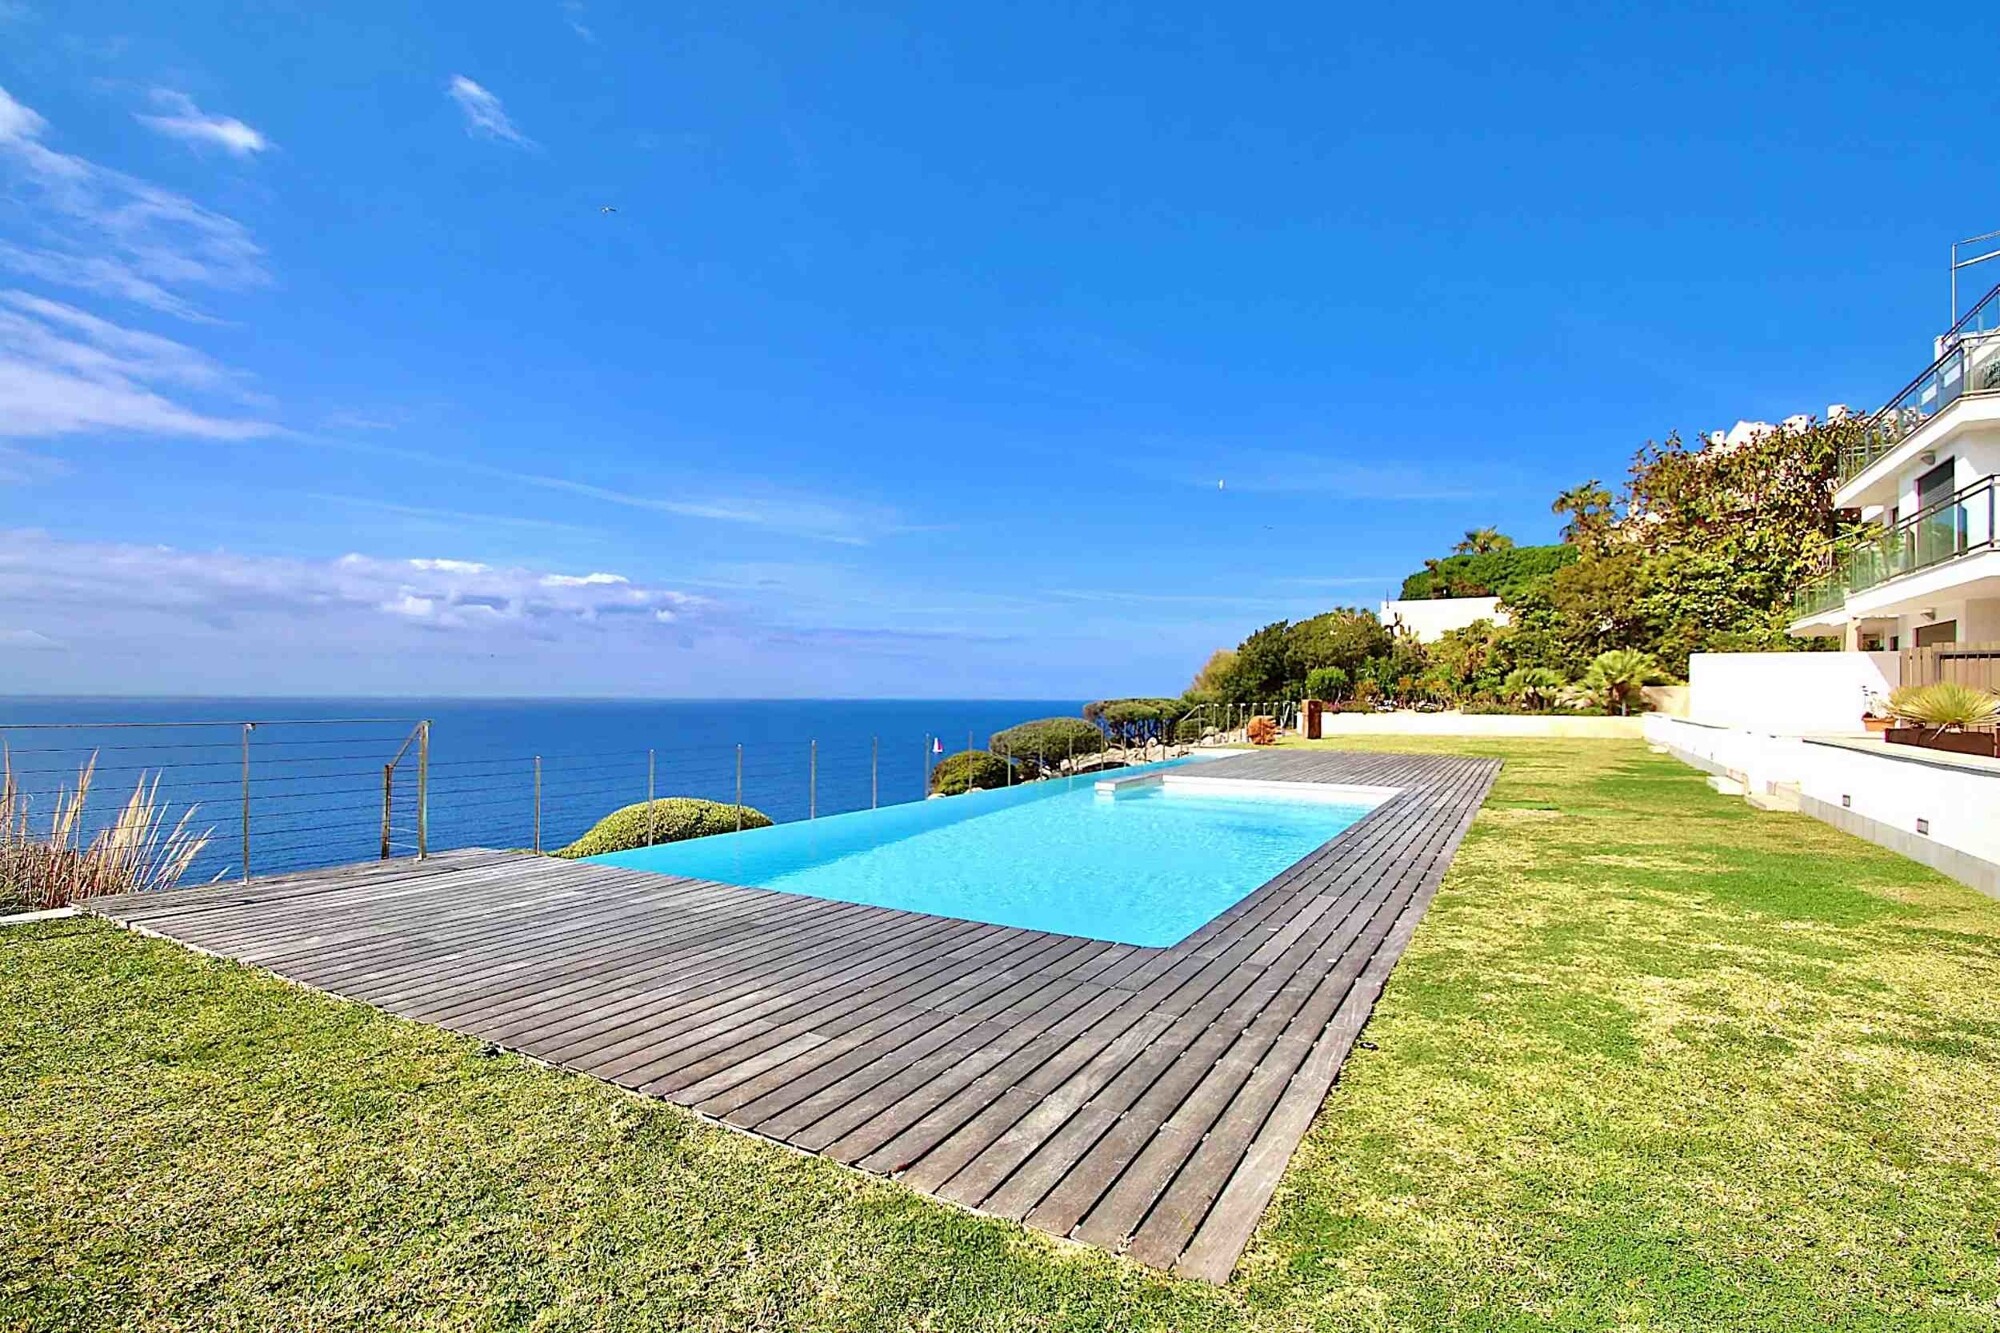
x=1487, y=573
x=1261, y=731
x=1047, y=741
x=1326, y=683
x=1947, y=704
x=1190, y=729
x=968, y=770
x=669, y=819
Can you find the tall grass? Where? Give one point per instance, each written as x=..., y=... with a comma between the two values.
x=138, y=850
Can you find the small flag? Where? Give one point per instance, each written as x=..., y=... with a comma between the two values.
x=937, y=745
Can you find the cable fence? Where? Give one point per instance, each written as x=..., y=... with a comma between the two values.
x=261, y=797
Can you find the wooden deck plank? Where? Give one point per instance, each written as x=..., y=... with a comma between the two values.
x=1126, y=1095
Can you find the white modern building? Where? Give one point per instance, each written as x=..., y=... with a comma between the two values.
x=1925, y=473
x=1429, y=619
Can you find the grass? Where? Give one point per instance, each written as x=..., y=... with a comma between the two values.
x=1655, y=1060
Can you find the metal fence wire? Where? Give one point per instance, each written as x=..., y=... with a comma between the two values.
x=273, y=796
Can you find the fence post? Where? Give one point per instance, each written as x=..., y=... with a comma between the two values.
x=927, y=763
x=812, y=779
x=649, y=798
x=424, y=789
x=739, y=786
x=538, y=804
x=874, y=772
x=388, y=789
x=247, y=727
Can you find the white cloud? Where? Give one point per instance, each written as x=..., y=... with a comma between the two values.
x=573, y=15
x=317, y=600
x=484, y=115
x=28, y=640
x=64, y=371
x=187, y=122
x=89, y=227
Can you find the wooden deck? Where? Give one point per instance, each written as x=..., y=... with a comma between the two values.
x=1143, y=1100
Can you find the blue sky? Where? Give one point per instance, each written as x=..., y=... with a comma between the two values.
x=920, y=339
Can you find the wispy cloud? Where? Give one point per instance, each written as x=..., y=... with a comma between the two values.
x=88, y=227
x=182, y=119
x=28, y=640
x=324, y=598
x=63, y=371
x=484, y=114
x=769, y=508
x=572, y=11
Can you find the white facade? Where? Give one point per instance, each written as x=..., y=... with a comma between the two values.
x=1429, y=619
x=1788, y=694
x=1935, y=576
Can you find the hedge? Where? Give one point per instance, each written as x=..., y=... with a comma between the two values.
x=671, y=819
x=958, y=773
x=1047, y=740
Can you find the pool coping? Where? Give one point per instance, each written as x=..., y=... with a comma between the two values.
x=1142, y=1100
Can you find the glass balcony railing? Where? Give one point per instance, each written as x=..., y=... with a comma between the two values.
x=1970, y=364
x=1959, y=526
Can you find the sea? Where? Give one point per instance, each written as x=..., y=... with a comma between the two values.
x=286, y=784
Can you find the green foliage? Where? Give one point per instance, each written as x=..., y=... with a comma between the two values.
x=1466, y=662
x=1532, y=686
x=968, y=770
x=1483, y=541
x=1499, y=572
x=1947, y=704
x=1209, y=682
x=1327, y=683
x=669, y=819
x=1615, y=679
x=1276, y=661
x=1048, y=740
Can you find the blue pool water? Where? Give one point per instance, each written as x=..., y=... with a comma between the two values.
x=1148, y=866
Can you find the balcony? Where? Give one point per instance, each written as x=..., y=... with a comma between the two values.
x=1970, y=364
x=1943, y=532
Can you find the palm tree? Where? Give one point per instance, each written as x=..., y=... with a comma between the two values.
x=1483, y=541
x=1616, y=678
x=1532, y=686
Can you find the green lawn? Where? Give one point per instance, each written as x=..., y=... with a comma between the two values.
x=1655, y=1060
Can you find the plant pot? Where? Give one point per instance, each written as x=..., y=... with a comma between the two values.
x=1878, y=725
x=1983, y=743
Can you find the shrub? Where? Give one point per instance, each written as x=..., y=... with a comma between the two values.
x=966, y=771
x=1326, y=683
x=669, y=819
x=1190, y=729
x=1945, y=705
x=1532, y=686
x=139, y=851
x=1261, y=731
x=1616, y=679
x=1048, y=740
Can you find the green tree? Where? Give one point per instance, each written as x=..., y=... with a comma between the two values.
x=1328, y=683
x=1483, y=541
x=1617, y=679
x=1532, y=686
x=1592, y=515
x=1344, y=637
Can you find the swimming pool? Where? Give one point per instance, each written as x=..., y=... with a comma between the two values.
x=1143, y=862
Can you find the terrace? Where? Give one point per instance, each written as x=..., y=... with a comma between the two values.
x=1651, y=1051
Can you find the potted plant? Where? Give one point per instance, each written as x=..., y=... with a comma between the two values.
x=1946, y=716
x=1876, y=715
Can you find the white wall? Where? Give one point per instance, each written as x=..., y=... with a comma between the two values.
x=1788, y=694
x=1429, y=619
x=1875, y=791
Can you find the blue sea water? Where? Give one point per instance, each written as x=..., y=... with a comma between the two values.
x=316, y=765
x=1148, y=866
